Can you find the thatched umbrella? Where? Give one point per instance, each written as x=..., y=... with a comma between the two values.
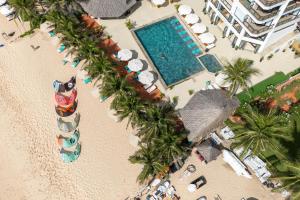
x=208, y=151
x=206, y=111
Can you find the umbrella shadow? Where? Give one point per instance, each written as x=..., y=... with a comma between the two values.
x=134, y=54
x=155, y=76
x=145, y=65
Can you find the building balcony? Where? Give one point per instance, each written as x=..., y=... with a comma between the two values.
x=293, y=5
x=287, y=19
x=258, y=13
x=269, y=3
x=256, y=29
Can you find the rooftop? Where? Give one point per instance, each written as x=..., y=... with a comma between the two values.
x=107, y=8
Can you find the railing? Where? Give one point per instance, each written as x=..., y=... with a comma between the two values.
x=288, y=19
x=292, y=6
x=258, y=15
x=256, y=30
x=271, y=2
x=228, y=5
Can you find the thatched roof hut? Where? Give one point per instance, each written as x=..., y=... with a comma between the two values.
x=107, y=8
x=206, y=111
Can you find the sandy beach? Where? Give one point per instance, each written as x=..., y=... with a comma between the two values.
x=30, y=164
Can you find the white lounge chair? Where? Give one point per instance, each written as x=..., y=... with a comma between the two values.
x=151, y=89
x=147, y=86
x=210, y=46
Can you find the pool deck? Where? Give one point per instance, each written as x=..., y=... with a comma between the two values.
x=146, y=13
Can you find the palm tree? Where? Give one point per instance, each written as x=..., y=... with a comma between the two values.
x=170, y=146
x=129, y=105
x=239, y=74
x=152, y=165
x=260, y=132
x=159, y=118
x=113, y=83
x=290, y=179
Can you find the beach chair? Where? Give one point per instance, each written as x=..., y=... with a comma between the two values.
x=67, y=142
x=210, y=46
x=51, y=33
x=69, y=156
x=87, y=80
x=151, y=89
x=61, y=48
x=147, y=86
x=75, y=62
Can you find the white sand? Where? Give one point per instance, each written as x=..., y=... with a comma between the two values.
x=30, y=164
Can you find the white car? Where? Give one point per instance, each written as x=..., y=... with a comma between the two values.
x=6, y=10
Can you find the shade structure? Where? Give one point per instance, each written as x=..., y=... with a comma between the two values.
x=146, y=77
x=199, y=28
x=184, y=10
x=192, y=18
x=208, y=151
x=221, y=80
x=135, y=65
x=235, y=163
x=207, y=38
x=158, y=2
x=124, y=54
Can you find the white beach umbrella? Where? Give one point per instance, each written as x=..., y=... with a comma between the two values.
x=192, y=18
x=235, y=163
x=184, y=10
x=199, y=28
x=146, y=77
x=220, y=80
x=135, y=65
x=207, y=38
x=158, y=2
x=124, y=54
x=6, y=10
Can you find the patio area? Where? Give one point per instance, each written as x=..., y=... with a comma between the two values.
x=222, y=182
x=223, y=50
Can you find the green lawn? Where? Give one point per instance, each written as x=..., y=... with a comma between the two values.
x=260, y=87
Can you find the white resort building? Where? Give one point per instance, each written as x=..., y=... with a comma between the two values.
x=267, y=25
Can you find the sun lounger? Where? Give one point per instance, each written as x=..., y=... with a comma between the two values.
x=210, y=46
x=87, y=80
x=69, y=156
x=151, y=89
x=51, y=33
x=199, y=182
x=61, y=48
x=147, y=86
x=75, y=62
x=67, y=142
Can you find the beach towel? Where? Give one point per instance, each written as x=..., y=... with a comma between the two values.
x=66, y=101
x=64, y=87
x=67, y=142
x=66, y=111
x=68, y=126
x=70, y=156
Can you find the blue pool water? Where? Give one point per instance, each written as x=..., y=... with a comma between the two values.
x=211, y=63
x=171, y=49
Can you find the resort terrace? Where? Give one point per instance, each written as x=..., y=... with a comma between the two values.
x=146, y=13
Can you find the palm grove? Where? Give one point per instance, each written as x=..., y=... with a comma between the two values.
x=157, y=122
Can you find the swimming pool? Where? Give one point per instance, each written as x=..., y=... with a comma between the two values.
x=211, y=63
x=171, y=49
